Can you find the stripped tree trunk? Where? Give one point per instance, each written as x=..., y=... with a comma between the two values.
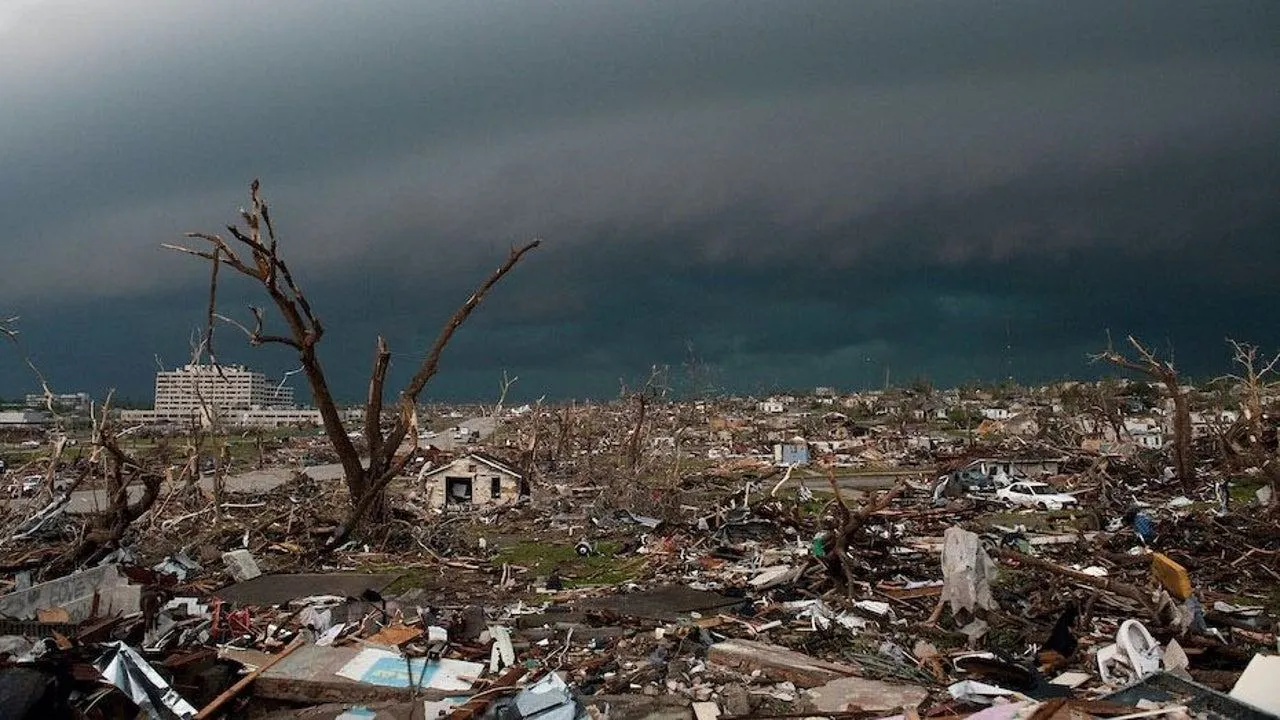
x=366, y=480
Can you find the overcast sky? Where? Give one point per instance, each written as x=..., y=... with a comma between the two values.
x=793, y=193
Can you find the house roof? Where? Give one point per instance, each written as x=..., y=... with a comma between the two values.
x=484, y=458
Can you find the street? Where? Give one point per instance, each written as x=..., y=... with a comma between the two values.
x=854, y=482
x=88, y=501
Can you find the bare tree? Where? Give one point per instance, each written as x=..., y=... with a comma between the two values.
x=104, y=530
x=503, y=388
x=1163, y=372
x=1244, y=440
x=654, y=388
x=849, y=523
x=205, y=430
x=1257, y=376
x=366, y=483
x=1099, y=407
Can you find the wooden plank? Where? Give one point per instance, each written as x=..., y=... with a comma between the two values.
x=231, y=692
x=777, y=663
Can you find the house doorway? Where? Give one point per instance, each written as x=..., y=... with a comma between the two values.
x=457, y=491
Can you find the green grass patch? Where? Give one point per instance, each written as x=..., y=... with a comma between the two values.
x=1244, y=489
x=1053, y=520
x=410, y=578
x=600, y=568
x=1272, y=602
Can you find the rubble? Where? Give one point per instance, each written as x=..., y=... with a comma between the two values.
x=241, y=565
x=77, y=597
x=725, y=590
x=124, y=668
x=855, y=693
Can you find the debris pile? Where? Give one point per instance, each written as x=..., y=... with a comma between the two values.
x=752, y=599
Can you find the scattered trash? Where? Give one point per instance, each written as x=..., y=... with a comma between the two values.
x=1134, y=655
x=179, y=565
x=731, y=596
x=548, y=699
x=978, y=692
x=1171, y=575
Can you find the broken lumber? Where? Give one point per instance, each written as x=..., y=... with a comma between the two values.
x=777, y=663
x=1107, y=584
x=208, y=710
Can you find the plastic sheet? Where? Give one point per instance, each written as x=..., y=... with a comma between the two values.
x=967, y=571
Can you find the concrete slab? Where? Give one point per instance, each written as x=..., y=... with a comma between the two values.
x=277, y=589
x=241, y=565
x=855, y=693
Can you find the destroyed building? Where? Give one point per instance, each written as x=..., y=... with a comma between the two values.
x=475, y=479
x=706, y=581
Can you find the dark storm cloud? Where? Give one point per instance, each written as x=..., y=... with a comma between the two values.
x=800, y=190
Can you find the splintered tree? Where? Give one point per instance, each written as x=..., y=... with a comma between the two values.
x=103, y=530
x=654, y=389
x=1257, y=376
x=1245, y=441
x=256, y=255
x=1163, y=372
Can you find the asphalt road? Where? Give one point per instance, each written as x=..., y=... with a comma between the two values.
x=88, y=501
x=444, y=439
x=850, y=482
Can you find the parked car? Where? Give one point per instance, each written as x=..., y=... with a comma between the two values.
x=26, y=486
x=973, y=480
x=1034, y=494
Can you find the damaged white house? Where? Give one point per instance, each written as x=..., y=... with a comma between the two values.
x=471, y=480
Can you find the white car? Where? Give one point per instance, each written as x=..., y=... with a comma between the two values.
x=1034, y=494
x=26, y=486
